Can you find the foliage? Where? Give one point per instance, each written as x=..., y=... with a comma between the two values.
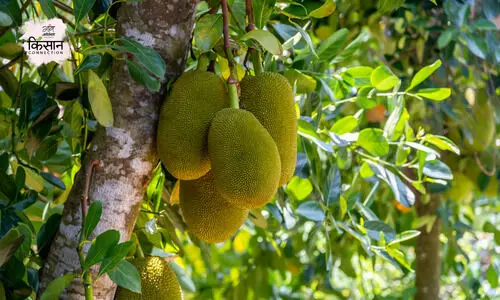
x=344, y=220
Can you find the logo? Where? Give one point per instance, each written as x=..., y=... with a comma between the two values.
x=44, y=41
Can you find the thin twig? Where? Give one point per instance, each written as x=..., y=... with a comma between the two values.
x=93, y=164
x=11, y=63
x=63, y=7
x=250, y=15
x=483, y=169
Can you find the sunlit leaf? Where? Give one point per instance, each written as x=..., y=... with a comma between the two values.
x=99, y=100
x=423, y=74
x=266, y=39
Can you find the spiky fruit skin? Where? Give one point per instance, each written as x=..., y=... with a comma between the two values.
x=158, y=281
x=269, y=97
x=207, y=214
x=184, y=122
x=480, y=124
x=245, y=159
x=462, y=189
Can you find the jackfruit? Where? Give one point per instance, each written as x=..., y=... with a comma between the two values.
x=158, y=281
x=480, y=124
x=269, y=97
x=461, y=189
x=184, y=121
x=245, y=159
x=207, y=215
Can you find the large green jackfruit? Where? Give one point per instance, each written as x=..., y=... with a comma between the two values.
x=269, y=97
x=245, y=159
x=158, y=281
x=207, y=214
x=184, y=121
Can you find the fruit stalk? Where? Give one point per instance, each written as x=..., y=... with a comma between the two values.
x=231, y=81
x=254, y=53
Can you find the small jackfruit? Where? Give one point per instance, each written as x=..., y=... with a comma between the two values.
x=269, y=97
x=245, y=159
x=158, y=281
x=184, y=121
x=207, y=215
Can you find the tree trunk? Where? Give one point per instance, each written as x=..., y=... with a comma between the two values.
x=428, y=251
x=127, y=151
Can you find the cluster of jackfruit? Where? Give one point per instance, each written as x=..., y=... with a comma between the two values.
x=158, y=281
x=229, y=160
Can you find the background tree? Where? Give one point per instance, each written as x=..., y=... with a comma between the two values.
x=396, y=104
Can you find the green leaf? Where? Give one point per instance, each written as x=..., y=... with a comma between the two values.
x=307, y=131
x=48, y=8
x=300, y=188
x=345, y=125
x=57, y=286
x=423, y=74
x=81, y=8
x=306, y=38
x=324, y=10
x=90, y=62
x=99, y=100
x=93, y=217
x=358, y=76
x=399, y=256
x=492, y=276
x=445, y=38
x=9, y=243
x=266, y=40
x=53, y=180
x=385, y=6
x=10, y=50
x=146, y=57
x=126, y=276
x=437, y=94
x=383, y=79
x=208, y=32
x=374, y=227
x=114, y=256
x=186, y=282
x=365, y=171
x=142, y=76
x=5, y=19
x=333, y=185
x=437, y=169
x=263, y=10
x=405, y=236
x=352, y=47
x=331, y=46
x=401, y=191
x=476, y=45
x=373, y=141
x=311, y=210
x=483, y=24
x=442, y=143
x=100, y=246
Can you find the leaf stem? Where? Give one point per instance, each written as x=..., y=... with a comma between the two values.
x=254, y=53
x=87, y=277
x=232, y=81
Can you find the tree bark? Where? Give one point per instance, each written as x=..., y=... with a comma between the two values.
x=127, y=151
x=428, y=251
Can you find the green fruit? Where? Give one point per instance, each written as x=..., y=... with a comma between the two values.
x=269, y=97
x=158, y=281
x=303, y=83
x=184, y=121
x=245, y=159
x=462, y=189
x=481, y=126
x=207, y=214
